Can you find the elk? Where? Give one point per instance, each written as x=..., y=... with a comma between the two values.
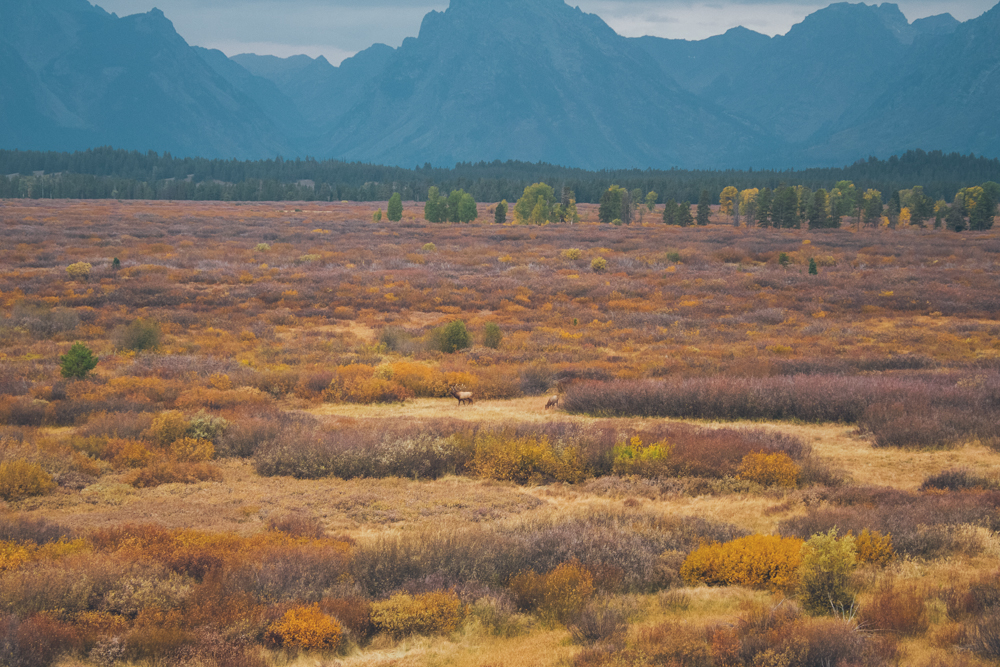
x=462, y=396
x=552, y=402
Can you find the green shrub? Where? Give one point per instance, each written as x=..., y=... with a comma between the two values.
x=439, y=612
x=635, y=458
x=395, y=208
x=140, y=335
x=21, y=479
x=825, y=575
x=451, y=337
x=492, y=336
x=77, y=362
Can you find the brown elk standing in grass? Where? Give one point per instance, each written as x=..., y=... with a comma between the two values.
x=462, y=396
x=552, y=402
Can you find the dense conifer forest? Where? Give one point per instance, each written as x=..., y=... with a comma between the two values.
x=107, y=173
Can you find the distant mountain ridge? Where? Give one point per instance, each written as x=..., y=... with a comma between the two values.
x=533, y=80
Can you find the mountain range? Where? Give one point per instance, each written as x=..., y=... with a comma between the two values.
x=532, y=80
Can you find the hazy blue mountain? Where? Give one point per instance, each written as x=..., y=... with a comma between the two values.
x=90, y=78
x=944, y=93
x=321, y=92
x=697, y=64
x=534, y=80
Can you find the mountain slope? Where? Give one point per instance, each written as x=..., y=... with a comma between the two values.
x=532, y=80
x=93, y=78
x=945, y=94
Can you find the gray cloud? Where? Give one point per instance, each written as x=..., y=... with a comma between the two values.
x=339, y=28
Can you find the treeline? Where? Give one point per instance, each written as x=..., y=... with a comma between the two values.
x=107, y=173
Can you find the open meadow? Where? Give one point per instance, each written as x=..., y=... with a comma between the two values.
x=771, y=447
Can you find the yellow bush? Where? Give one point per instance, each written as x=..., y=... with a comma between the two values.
x=430, y=613
x=757, y=561
x=634, y=458
x=13, y=555
x=306, y=628
x=525, y=460
x=572, y=254
x=79, y=270
x=166, y=428
x=420, y=379
x=358, y=383
x=192, y=450
x=776, y=469
x=559, y=594
x=874, y=548
x=128, y=453
x=20, y=479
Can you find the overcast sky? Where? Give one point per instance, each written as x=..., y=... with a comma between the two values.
x=338, y=29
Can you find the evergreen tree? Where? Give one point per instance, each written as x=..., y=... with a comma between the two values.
x=670, y=213
x=817, y=215
x=492, y=335
x=704, y=208
x=872, y=207
x=77, y=362
x=611, y=204
x=500, y=217
x=784, y=208
x=684, y=217
x=981, y=217
x=764, y=208
x=813, y=271
x=394, y=211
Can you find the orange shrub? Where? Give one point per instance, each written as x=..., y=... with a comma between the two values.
x=777, y=469
x=421, y=379
x=221, y=399
x=439, y=612
x=898, y=610
x=173, y=472
x=306, y=628
x=359, y=384
x=128, y=453
x=192, y=450
x=757, y=561
x=166, y=428
x=559, y=594
x=874, y=548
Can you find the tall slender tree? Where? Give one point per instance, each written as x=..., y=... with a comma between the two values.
x=704, y=208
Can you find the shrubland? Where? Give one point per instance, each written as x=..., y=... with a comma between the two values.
x=265, y=464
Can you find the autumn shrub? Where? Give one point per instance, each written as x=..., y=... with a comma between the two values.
x=128, y=425
x=959, y=479
x=22, y=411
x=140, y=335
x=672, y=643
x=79, y=271
x=431, y=613
x=756, y=561
x=192, y=450
x=776, y=469
x=166, y=428
x=296, y=524
x=354, y=613
x=21, y=479
x=825, y=576
x=894, y=608
x=247, y=433
x=127, y=454
x=173, y=472
x=21, y=528
x=308, y=571
x=306, y=628
x=37, y=641
x=921, y=525
x=525, y=460
x=358, y=383
x=594, y=624
x=635, y=458
x=986, y=636
x=973, y=599
x=622, y=550
x=874, y=548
